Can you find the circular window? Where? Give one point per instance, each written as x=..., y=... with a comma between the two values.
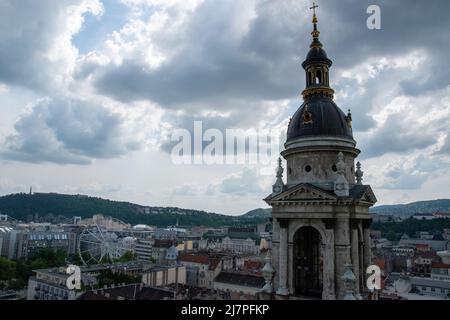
x=308, y=168
x=334, y=168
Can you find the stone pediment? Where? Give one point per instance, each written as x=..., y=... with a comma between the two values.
x=303, y=192
x=368, y=195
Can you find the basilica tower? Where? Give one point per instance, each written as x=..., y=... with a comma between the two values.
x=321, y=214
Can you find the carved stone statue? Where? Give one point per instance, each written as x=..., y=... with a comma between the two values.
x=359, y=174
x=341, y=187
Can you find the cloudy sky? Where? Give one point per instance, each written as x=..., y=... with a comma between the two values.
x=91, y=91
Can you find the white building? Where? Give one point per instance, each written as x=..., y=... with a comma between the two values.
x=403, y=250
x=164, y=276
x=203, y=268
x=440, y=271
x=431, y=287
x=239, y=283
x=424, y=216
x=383, y=243
x=144, y=249
x=4, y=240
x=238, y=245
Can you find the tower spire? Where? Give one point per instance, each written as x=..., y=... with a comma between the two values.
x=317, y=66
x=315, y=34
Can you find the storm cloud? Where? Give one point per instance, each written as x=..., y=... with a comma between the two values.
x=68, y=131
x=231, y=64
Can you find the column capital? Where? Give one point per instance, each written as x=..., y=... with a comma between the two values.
x=354, y=223
x=329, y=223
x=366, y=223
x=284, y=222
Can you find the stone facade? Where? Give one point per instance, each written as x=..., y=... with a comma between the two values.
x=343, y=225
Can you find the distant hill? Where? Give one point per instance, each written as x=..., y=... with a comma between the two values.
x=258, y=214
x=415, y=207
x=40, y=207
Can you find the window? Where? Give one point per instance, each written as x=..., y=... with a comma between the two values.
x=334, y=168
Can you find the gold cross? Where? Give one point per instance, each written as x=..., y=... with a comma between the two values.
x=314, y=7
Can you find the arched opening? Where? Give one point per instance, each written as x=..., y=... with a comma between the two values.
x=308, y=263
x=318, y=77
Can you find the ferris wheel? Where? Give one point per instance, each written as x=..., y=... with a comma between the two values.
x=95, y=245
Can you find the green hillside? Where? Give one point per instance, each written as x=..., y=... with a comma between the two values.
x=56, y=208
x=409, y=209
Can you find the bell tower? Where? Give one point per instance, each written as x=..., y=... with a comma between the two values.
x=321, y=214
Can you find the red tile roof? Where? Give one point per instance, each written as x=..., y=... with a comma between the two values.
x=205, y=259
x=438, y=265
x=213, y=263
x=427, y=255
x=194, y=258
x=253, y=265
x=381, y=263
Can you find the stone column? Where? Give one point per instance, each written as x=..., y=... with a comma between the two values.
x=290, y=266
x=343, y=253
x=329, y=292
x=355, y=255
x=362, y=270
x=283, y=269
x=367, y=249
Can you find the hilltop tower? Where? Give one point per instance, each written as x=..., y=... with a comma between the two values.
x=321, y=214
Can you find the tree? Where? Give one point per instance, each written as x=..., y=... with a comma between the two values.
x=108, y=277
x=391, y=236
x=75, y=259
x=127, y=256
x=105, y=260
x=7, y=269
x=49, y=257
x=16, y=284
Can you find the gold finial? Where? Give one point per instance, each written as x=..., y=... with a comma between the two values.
x=315, y=32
